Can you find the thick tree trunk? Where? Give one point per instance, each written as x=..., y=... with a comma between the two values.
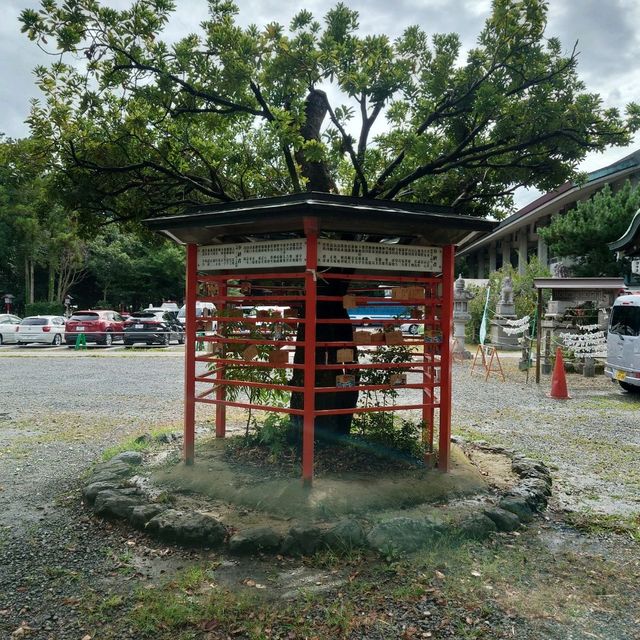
x=51, y=294
x=29, y=281
x=326, y=427
x=316, y=174
x=26, y=279
x=318, y=178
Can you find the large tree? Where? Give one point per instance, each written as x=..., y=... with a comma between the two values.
x=582, y=234
x=145, y=127
x=37, y=233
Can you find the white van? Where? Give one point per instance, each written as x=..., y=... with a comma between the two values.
x=200, y=306
x=623, y=343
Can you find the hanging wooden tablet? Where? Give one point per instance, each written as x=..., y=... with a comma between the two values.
x=400, y=293
x=349, y=302
x=393, y=337
x=250, y=353
x=345, y=381
x=344, y=355
x=279, y=357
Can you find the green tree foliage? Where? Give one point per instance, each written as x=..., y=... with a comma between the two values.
x=133, y=270
x=38, y=233
x=583, y=232
x=143, y=126
x=45, y=253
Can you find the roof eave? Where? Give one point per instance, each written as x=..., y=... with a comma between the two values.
x=630, y=239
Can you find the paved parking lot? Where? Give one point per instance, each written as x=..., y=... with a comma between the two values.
x=93, y=349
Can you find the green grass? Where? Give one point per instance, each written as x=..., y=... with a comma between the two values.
x=73, y=428
x=471, y=590
x=603, y=523
x=134, y=443
x=186, y=605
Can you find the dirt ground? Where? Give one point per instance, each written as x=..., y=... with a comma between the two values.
x=573, y=574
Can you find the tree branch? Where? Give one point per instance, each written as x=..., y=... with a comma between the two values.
x=288, y=156
x=189, y=89
x=478, y=155
x=148, y=164
x=346, y=141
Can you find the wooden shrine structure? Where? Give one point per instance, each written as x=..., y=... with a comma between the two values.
x=282, y=274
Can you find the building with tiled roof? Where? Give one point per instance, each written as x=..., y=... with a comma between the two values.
x=515, y=239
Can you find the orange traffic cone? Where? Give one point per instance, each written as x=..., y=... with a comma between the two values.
x=559, y=379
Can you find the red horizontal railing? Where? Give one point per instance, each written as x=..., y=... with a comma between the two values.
x=248, y=405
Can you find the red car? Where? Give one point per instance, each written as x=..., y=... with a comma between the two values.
x=101, y=327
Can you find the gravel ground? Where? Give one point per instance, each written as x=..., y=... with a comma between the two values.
x=61, y=410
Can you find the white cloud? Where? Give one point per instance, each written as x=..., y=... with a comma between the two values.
x=609, y=41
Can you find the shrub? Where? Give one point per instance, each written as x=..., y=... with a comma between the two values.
x=43, y=309
x=524, y=295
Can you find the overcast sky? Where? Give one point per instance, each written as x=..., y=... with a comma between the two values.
x=606, y=31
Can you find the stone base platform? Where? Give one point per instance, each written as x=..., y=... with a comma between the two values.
x=219, y=503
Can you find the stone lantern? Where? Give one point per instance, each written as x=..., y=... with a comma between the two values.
x=461, y=316
x=8, y=301
x=505, y=311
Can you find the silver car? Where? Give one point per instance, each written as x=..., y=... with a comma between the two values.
x=43, y=329
x=9, y=328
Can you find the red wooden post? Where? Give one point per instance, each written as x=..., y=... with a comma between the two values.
x=221, y=410
x=309, y=416
x=190, y=354
x=444, y=441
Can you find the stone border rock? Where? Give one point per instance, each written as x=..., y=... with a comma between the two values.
x=112, y=493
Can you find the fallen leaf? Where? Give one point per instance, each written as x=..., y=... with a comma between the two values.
x=440, y=575
x=23, y=630
x=477, y=574
x=209, y=625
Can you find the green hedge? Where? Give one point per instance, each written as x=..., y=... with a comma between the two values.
x=44, y=309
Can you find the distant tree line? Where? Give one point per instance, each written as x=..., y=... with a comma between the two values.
x=46, y=254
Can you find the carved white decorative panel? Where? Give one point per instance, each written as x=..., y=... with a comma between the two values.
x=331, y=253
x=253, y=255
x=370, y=255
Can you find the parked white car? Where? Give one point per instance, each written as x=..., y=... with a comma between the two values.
x=200, y=307
x=8, y=328
x=42, y=329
